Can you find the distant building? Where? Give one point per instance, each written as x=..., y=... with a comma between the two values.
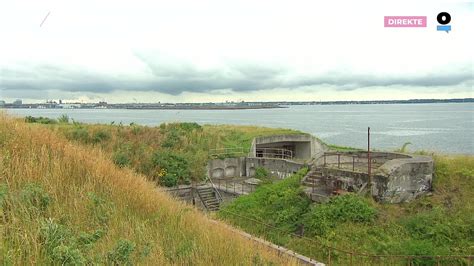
x=18, y=102
x=2, y=103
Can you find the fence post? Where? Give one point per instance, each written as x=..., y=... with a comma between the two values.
x=353, y=163
x=243, y=188
x=324, y=156
x=329, y=256
x=338, y=160
x=351, y=259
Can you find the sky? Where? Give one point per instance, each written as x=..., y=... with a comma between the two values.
x=216, y=51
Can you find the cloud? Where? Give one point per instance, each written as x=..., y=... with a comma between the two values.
x=176, y=77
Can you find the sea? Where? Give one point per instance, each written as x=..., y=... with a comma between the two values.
x=446, y=128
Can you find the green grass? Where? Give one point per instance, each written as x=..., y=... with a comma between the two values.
x=62, y=203
x=440, y=224
x=135, y=146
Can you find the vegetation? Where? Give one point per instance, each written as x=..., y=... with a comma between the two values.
x=139, y=148
x=440, y=224
x=68, y=204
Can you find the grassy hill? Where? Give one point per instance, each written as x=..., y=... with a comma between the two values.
x=438, y=224
x=145, y=149
x=64, y=203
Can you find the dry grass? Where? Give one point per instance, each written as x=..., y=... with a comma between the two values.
x=162, y=230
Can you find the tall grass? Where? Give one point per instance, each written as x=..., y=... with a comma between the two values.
x=62, y=203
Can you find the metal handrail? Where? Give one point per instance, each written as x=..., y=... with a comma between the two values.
x=219, y=196
x=274, y=153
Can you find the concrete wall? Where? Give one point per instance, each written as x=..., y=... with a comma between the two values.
x=395, y=181
x=245, y=167
x=406, y=179
x=225, y=168
x=277, y=167
x=307, y=146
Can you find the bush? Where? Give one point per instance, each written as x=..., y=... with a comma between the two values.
x=281, y=204
x=65, y=255
x=345, y=208
x=53, y=235
x=173, y=168
x=171, y=140
x=35, y=198
x=100, y=136
x=121, y=253
x=64, y=119
x=121, y=159
x=261, y=173
x=40, y=120
x=79, y=133
x=99, y=208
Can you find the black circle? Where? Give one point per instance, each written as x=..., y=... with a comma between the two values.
x=443, y=18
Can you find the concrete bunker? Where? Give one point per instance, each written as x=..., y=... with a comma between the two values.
x=394, y=178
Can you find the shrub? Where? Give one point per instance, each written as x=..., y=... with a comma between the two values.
x=65, y=255
x=121, y=253
x=79, y=133
x=35, y=198
x=261, y=173
x=280, y=204
x=63, y=119
x=174, y=168
x=345, y=208
x=53, y=235
x=121, y=159
x=88, y=239
x=100, y=136
x=40, y=120
x=100, y=209
x=171, y=140
x=186, y=126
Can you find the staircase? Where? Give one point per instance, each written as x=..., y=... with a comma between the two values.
x=210, y=198
x=313, y=178
x=315, y=186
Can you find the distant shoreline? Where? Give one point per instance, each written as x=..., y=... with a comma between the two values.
x=219, y=106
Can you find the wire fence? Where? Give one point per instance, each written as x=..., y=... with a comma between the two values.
x=332, y=255
x=323, y=252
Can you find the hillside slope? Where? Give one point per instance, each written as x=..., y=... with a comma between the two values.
x=62, y=203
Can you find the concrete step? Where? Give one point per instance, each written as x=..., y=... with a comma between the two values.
x=311, y=184
x=206, y=193
x=205, y=189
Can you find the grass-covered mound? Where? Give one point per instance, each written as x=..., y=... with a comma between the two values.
x=62, y=203
x=437, y=224
x=143, y=148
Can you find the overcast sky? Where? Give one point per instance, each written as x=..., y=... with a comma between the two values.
x=200, y=51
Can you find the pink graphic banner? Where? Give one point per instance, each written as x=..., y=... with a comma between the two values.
x=405, y=21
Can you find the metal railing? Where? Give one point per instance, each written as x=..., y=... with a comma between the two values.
x=235, y=187
x=218, y=194
x=274, y=153
x=227, y=152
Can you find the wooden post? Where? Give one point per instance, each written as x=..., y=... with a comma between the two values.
x=353, y=163
x=338, y=160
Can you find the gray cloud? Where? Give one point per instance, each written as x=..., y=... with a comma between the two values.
x=176, y=78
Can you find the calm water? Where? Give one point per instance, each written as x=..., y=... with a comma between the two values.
x=444, y=128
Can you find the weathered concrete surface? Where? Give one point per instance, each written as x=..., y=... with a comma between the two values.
x=225, y=168
x=246, y=167
x=406, y=179
x=277, y=167
x=305, y=145
x=395, y=177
